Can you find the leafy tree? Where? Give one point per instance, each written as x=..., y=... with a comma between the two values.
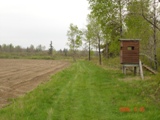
x=146, y=12
x=110, y=15
x=88, y=36
x=74, y=39
x=88, y=39
x=155, y=14
x=94, y=35
x=128, y=19
x=136, y=26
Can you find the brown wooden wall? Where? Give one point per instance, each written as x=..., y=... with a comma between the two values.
x=129, y=52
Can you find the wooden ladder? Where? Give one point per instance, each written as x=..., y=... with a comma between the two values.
x=141, y=69
x=149, y=69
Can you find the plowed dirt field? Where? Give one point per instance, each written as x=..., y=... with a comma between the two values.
x=18, y=77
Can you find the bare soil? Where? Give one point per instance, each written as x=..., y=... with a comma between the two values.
x=18, y=77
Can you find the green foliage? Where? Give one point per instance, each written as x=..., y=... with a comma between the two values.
x=137, y=27
x=127, y=19
x=74, y=37
x=94, y=36
x=109, y=14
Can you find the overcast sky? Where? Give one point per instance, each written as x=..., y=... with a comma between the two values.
x=26, y=22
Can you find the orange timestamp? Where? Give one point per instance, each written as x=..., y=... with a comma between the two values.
x=135, y=109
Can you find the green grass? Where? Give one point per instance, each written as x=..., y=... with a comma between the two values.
x=85, y=91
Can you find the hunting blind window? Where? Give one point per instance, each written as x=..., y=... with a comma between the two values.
x=130, y=48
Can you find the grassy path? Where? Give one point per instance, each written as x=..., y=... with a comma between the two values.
x=83, y=92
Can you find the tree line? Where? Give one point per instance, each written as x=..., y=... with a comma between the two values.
x=110, y=20
x=18, y=48
x=11, y=51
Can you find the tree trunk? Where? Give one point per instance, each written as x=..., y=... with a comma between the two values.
x=99, y=50
x=120, y=17
x=89, y=50
x=107, y=50
x=74, y=51
x=154, y=37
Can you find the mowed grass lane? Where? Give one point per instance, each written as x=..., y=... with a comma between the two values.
x=84, y=91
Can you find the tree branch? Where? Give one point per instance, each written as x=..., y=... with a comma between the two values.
x=144, y=17
x=150, y=21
